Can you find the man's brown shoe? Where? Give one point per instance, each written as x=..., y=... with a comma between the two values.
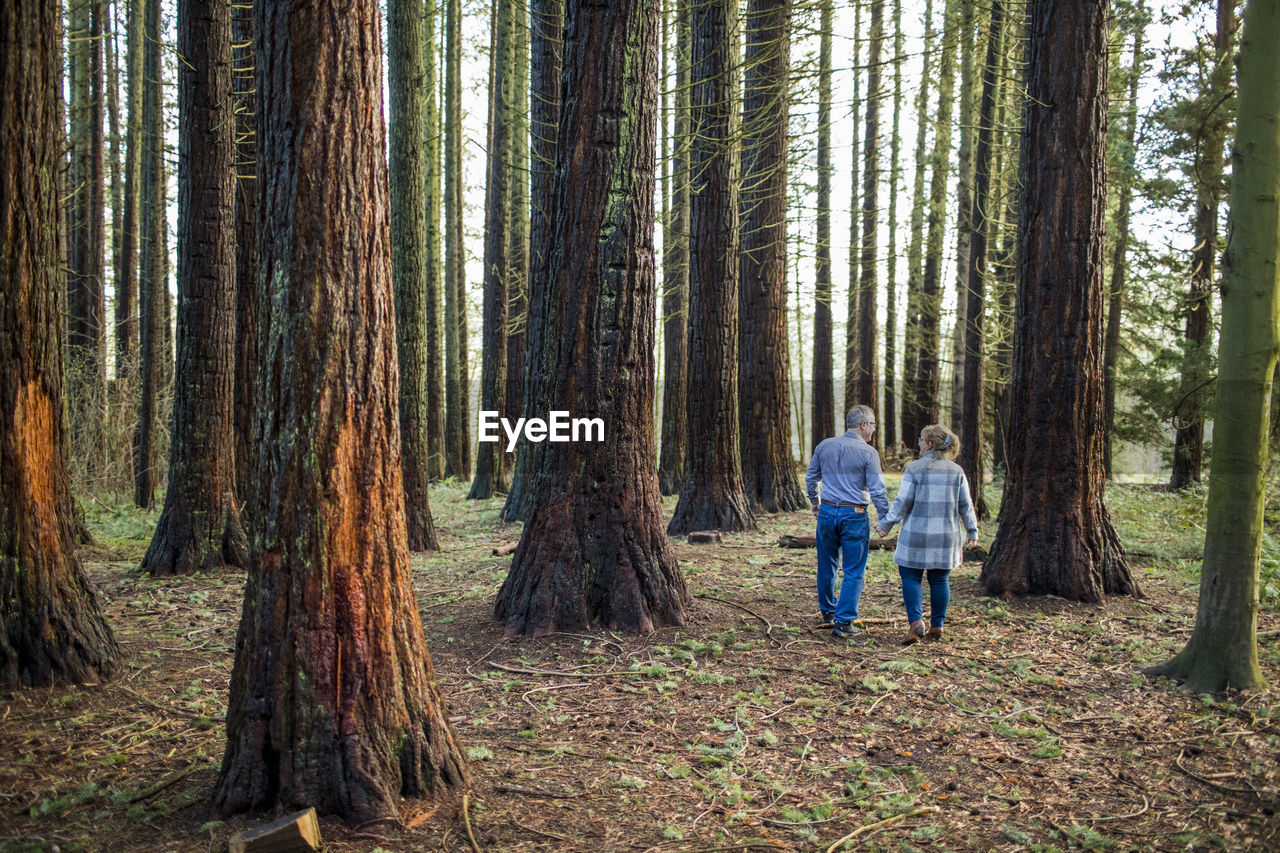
x=933, y=633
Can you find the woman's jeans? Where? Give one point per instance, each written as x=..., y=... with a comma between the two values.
x=843, y=534
x=913, y=594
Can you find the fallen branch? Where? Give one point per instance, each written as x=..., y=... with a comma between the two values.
x=768, y=626
x=524, y=670
x=466, y=819
x=537, y=792
x=878, y=825
x=161, y=785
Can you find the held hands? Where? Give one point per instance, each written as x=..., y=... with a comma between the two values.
x=970, y=544
x=880, y=530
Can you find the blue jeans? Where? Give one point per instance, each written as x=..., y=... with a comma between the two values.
x=913, y=594
x=842, y=532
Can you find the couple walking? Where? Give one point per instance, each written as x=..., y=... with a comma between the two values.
x=932, y=505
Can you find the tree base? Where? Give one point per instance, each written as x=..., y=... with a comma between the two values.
x=695, y=511
x=186, y=542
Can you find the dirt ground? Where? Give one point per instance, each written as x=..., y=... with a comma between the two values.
x=1028, y=727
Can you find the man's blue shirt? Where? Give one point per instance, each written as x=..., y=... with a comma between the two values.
x=848, y=468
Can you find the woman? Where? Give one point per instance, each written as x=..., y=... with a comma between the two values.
x=932, y=505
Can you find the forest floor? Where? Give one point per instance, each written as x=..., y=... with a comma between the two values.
x=1028, y=727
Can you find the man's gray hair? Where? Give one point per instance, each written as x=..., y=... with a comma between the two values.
x=857, y=415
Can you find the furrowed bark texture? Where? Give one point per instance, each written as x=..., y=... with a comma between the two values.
x=408, y=166
x=713, y=497
x=824, y=401
x=867, y=377
x=51, y=630
x=980, y=221
x=247, y=229
x=594, y=549
x=153, y=291
x=546, y=21
x=1055, y=535
x=457, y=430
x=675, y=275
x=1223, y=649
x=764, y=366
x=200, y=527
x=334, y=701
x=490, y=478
x=434, y=207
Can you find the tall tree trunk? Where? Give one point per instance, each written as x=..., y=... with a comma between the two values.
x=127, y=273
x=713, y=497
x=928, y=363
x=853, y=324
x=1119, y=262
x=594, y=549
x=675, y=276
x=334, y=702
x=964, y=205
x=518, y=230
x=867, y=382
x=457, y=428
x=247, y=228
x=86, y=285
x=200, y=527
x=435, y=249
x=824, y=404
x=115, y=166
x=152, y=267
x=1055, y=534
x=546, y=19
x=1223, y=650
x=407, y=166
x=911, y=416
x=980, y=220
x=889, y=413
x=51, y=630
x=490, y=467
x=764, y=413
x=1189, y=413
x=1004, y=250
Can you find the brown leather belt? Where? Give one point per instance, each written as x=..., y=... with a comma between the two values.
x=843, y=504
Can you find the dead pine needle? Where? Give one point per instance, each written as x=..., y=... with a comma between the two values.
x=879, y=825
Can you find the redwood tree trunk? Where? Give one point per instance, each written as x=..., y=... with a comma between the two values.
x=490, y=476
x=675, y=277
x=51, y=630
x=457, y=431
x=546, y=34
x=824, y=402
x=334, y=701
x=768, y=468
x=246, y=237
x=980, y=220
x=867, y=381
x=408, y=165
x=199, y=527
x=713, y=497
x=1055, y=535
x=153, y=291
x=594, y=549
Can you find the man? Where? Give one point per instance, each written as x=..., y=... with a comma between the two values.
x=848, y=468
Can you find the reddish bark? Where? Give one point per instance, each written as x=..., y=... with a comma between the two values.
x=1055, y=535
x=334, y=701
x=50, y=627
x=594, y=549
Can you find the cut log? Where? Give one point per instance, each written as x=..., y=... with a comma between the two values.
x=504, y=550
x=788, y=541
x=296, y=833
x=704, y=537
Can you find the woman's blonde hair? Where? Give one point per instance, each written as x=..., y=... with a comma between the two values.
x=945, y=443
